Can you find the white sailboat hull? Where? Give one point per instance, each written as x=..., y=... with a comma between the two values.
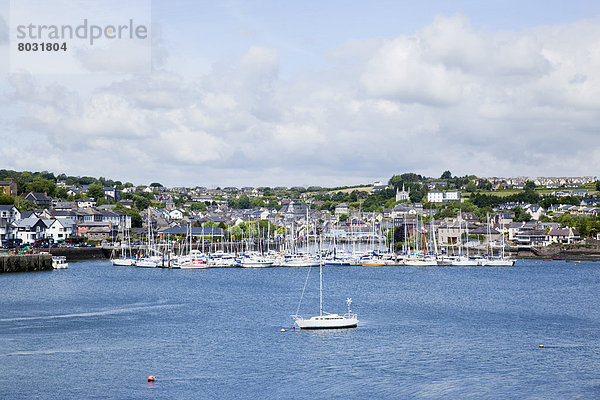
x=192, y=265
x=123, y=262
x=256, y=264
x=300, y=263
x=465, y=263
x=328, y=321
x=146, y=263
x=420, y=263
x=500, y=263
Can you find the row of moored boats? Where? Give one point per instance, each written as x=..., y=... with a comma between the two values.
x=196, y=259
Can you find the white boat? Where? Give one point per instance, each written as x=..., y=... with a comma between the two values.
x=123, y=262
x=499, y=262
x=256, y=262
x=300, y=262
x=146, y=262
x=420, y=262
x=336, y=262
x=325, y=320
x=223, y=262
x=59, y=262
x=194, y=260
x=465, y=262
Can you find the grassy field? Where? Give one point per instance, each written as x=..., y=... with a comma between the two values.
x=350, y=190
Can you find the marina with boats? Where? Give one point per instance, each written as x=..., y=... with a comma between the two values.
x=263, y=250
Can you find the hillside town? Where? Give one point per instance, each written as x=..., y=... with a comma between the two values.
x=462, y=211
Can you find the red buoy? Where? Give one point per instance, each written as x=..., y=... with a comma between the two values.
x=151, y=378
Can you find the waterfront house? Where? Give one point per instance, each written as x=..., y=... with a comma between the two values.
x=28, y=230
x=513, y=229
x=59, y=229
x=8, y=215
x=95, y=230
x=485, y=235
x=450, y=233
x=197, y=232
x=564, y=235
x=532, y=238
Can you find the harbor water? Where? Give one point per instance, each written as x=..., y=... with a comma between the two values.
x=95, y=331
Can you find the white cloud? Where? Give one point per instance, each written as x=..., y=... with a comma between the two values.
x=3, y=31
x=445, y=97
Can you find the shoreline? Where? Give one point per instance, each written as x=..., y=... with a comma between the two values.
x=562, y=252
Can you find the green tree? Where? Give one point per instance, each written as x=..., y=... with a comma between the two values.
x=42, y=185
x=198, y=206
x=6, y=199
x=446, y=175
x=24, y=205
x=141, y=203
x=243, y=202
x=521, y=215
x=96, y=191
x=598, y=186
x=529, y=185
x=61, y=193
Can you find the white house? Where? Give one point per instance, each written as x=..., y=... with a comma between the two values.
x=86, y=203
x=111, y=193
x=342, y=208
x=536, y=212
x=8, y=215
x=379, y=186
x=58, y=229
x=176, y=214
x=437, y=196
x=452, y=195
x=563, y=235
x=29, y=229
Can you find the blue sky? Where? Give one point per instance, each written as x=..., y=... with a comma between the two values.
x=317, y=93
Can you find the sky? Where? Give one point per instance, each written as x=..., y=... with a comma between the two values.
x=329, y=93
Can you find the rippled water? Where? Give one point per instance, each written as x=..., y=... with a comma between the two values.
x=98, y=331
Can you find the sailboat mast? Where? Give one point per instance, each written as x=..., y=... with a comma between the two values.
x=320, y=287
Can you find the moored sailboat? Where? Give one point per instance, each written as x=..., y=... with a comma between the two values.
x=325, y=320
